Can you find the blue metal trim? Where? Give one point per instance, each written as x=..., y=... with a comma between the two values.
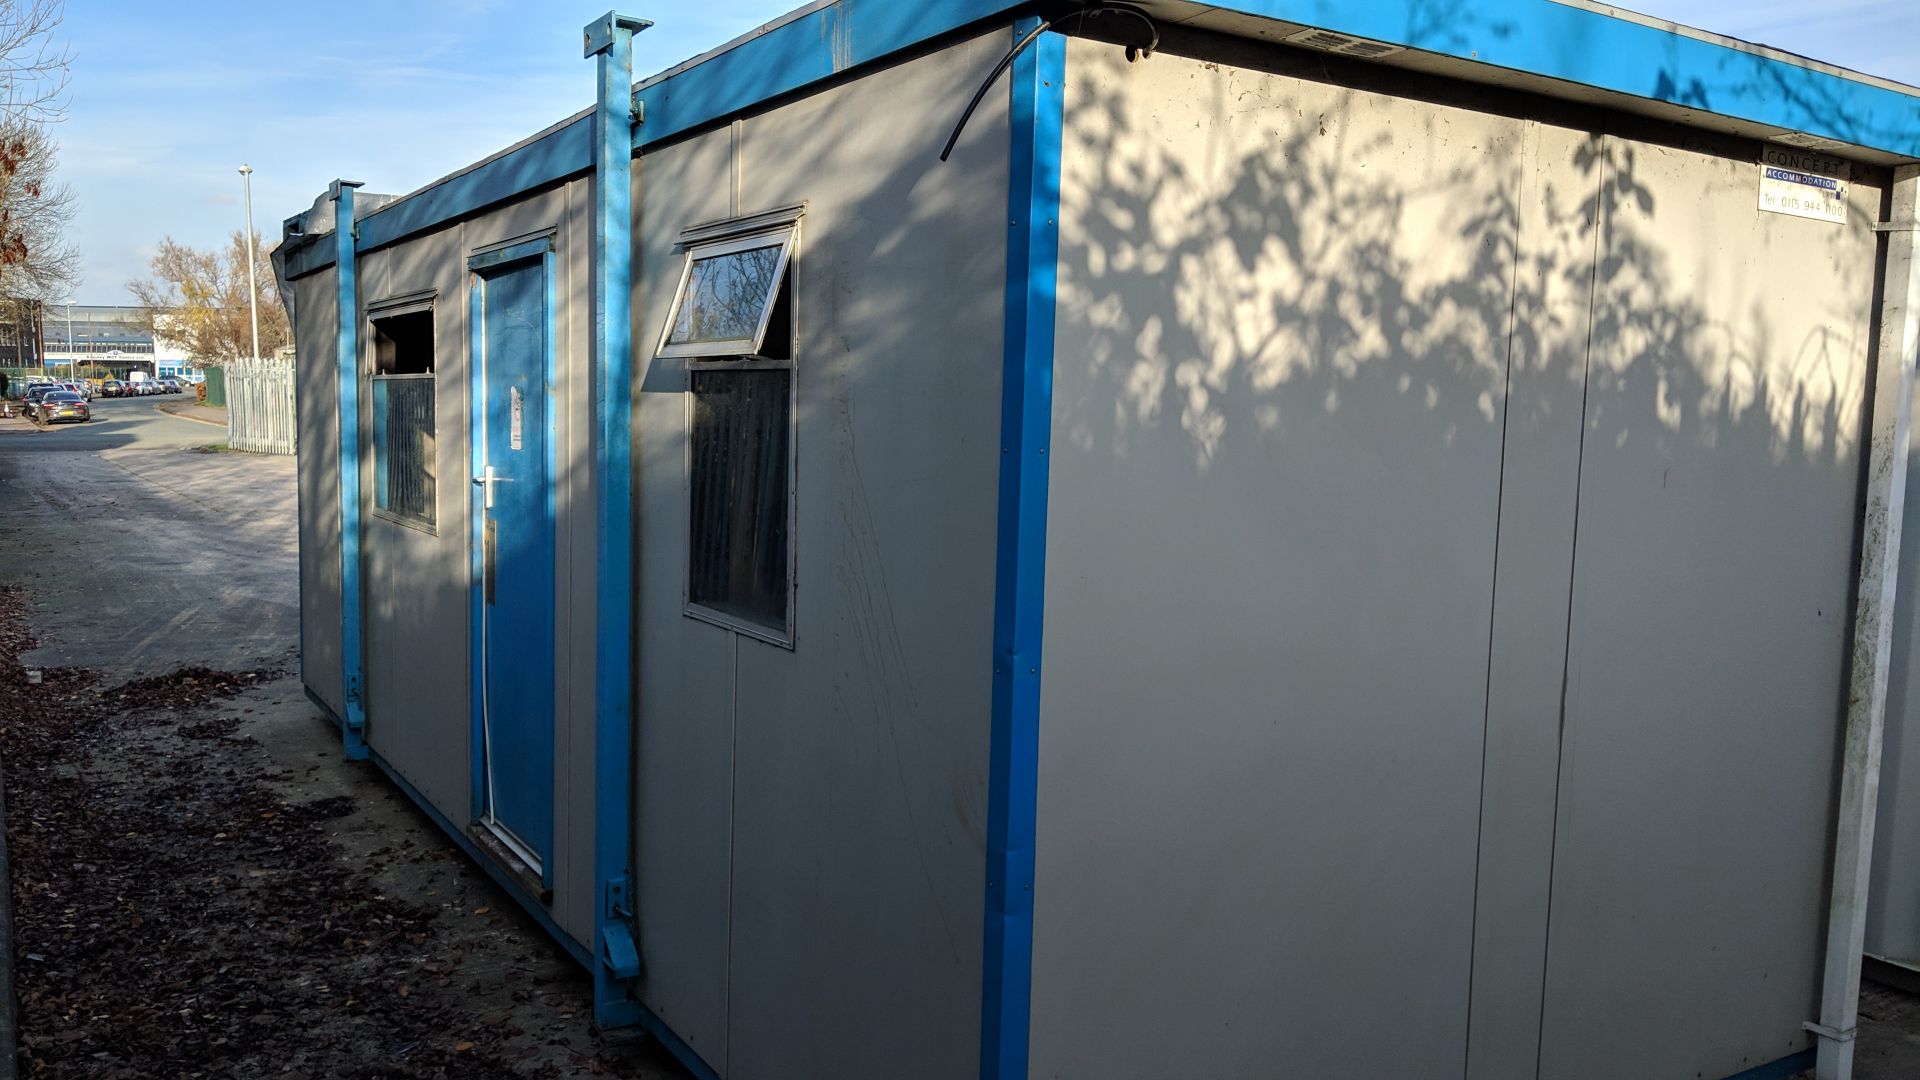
x=610, y=40
x=326, y=710
x=347, y=356
x=1026, y=419
x=1534, y=37
x=1791, y=1065
x=819, y=45
x=476, y=548
x=547, y=159
x=500, y=256
x=1591, y=48
x=676, y=1046
x=548, y=268
x=644, y=1017
x=500, y=877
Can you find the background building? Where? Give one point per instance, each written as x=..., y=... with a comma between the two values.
x=20, y=345
x=110, y=340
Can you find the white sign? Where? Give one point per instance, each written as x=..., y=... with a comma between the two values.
x=1804, y=184
x=513, y=433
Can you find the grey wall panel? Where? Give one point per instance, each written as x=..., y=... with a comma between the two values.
x=1719, y=479
x=1276, y=457
x=318, y=406
x=861, y=754
x=1893, y=913
x=684, y=670
x=1547, y=364
x=418, y=580
x=417, y=602
x=577, y=570
x=859, y=766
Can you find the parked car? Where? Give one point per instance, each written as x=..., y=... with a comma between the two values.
x=81, y=388
x=30, y=400
x=113, y=388
x=62, y=407
x=173, y=385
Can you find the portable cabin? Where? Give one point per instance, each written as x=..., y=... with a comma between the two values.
x=1319, y=540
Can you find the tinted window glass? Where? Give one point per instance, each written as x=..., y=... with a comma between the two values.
x=726, y=296
x=738, y=507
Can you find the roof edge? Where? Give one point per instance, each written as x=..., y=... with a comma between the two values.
x=1584, y=43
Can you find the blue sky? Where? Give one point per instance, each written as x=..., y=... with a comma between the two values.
x=169, y=99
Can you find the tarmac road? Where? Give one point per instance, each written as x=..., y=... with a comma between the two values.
x=210, y=534
x=118, y=423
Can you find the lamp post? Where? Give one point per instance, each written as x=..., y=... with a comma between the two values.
x=253, y=289
x=73, y=356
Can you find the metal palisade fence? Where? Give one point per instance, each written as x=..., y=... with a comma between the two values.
x=260, y=406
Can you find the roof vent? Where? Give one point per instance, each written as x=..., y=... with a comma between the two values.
x=1328, y=41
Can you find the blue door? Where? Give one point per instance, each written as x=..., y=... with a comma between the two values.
x=513, y=505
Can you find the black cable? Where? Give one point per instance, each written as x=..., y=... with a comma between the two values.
x=1018, y=47
x=1021, y=46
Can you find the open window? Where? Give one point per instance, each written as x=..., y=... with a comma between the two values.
x=404, y=436
x=732, y=319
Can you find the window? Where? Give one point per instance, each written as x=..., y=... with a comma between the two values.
x=727, y=294
x=403, y=423
x=738, y=508
x=732, y=318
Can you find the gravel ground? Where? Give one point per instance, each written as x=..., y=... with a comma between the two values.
x=202, y=886
x=194, y=899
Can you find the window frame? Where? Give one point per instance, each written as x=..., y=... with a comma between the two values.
x=721, y=237
x=727, y=245
x=783, y=636
x=426, y=303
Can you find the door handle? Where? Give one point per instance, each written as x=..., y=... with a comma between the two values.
x=485, y=482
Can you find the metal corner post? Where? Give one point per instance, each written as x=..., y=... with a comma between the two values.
x=353, y=725
x=1896, y=354
x=1026, y=418
x=610, y=39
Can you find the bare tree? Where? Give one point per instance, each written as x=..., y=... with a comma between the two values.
x=198, y=298
x=33, y=65
x=36, y=261
x=37, y=264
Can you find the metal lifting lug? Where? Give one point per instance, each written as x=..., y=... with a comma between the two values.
x=618, y=950
x=619, y=897
x=618, y=953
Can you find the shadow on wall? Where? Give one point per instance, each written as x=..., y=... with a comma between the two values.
x=1322, y=276
x=1342, y=349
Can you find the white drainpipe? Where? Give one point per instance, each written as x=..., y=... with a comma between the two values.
x=1886, y=497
